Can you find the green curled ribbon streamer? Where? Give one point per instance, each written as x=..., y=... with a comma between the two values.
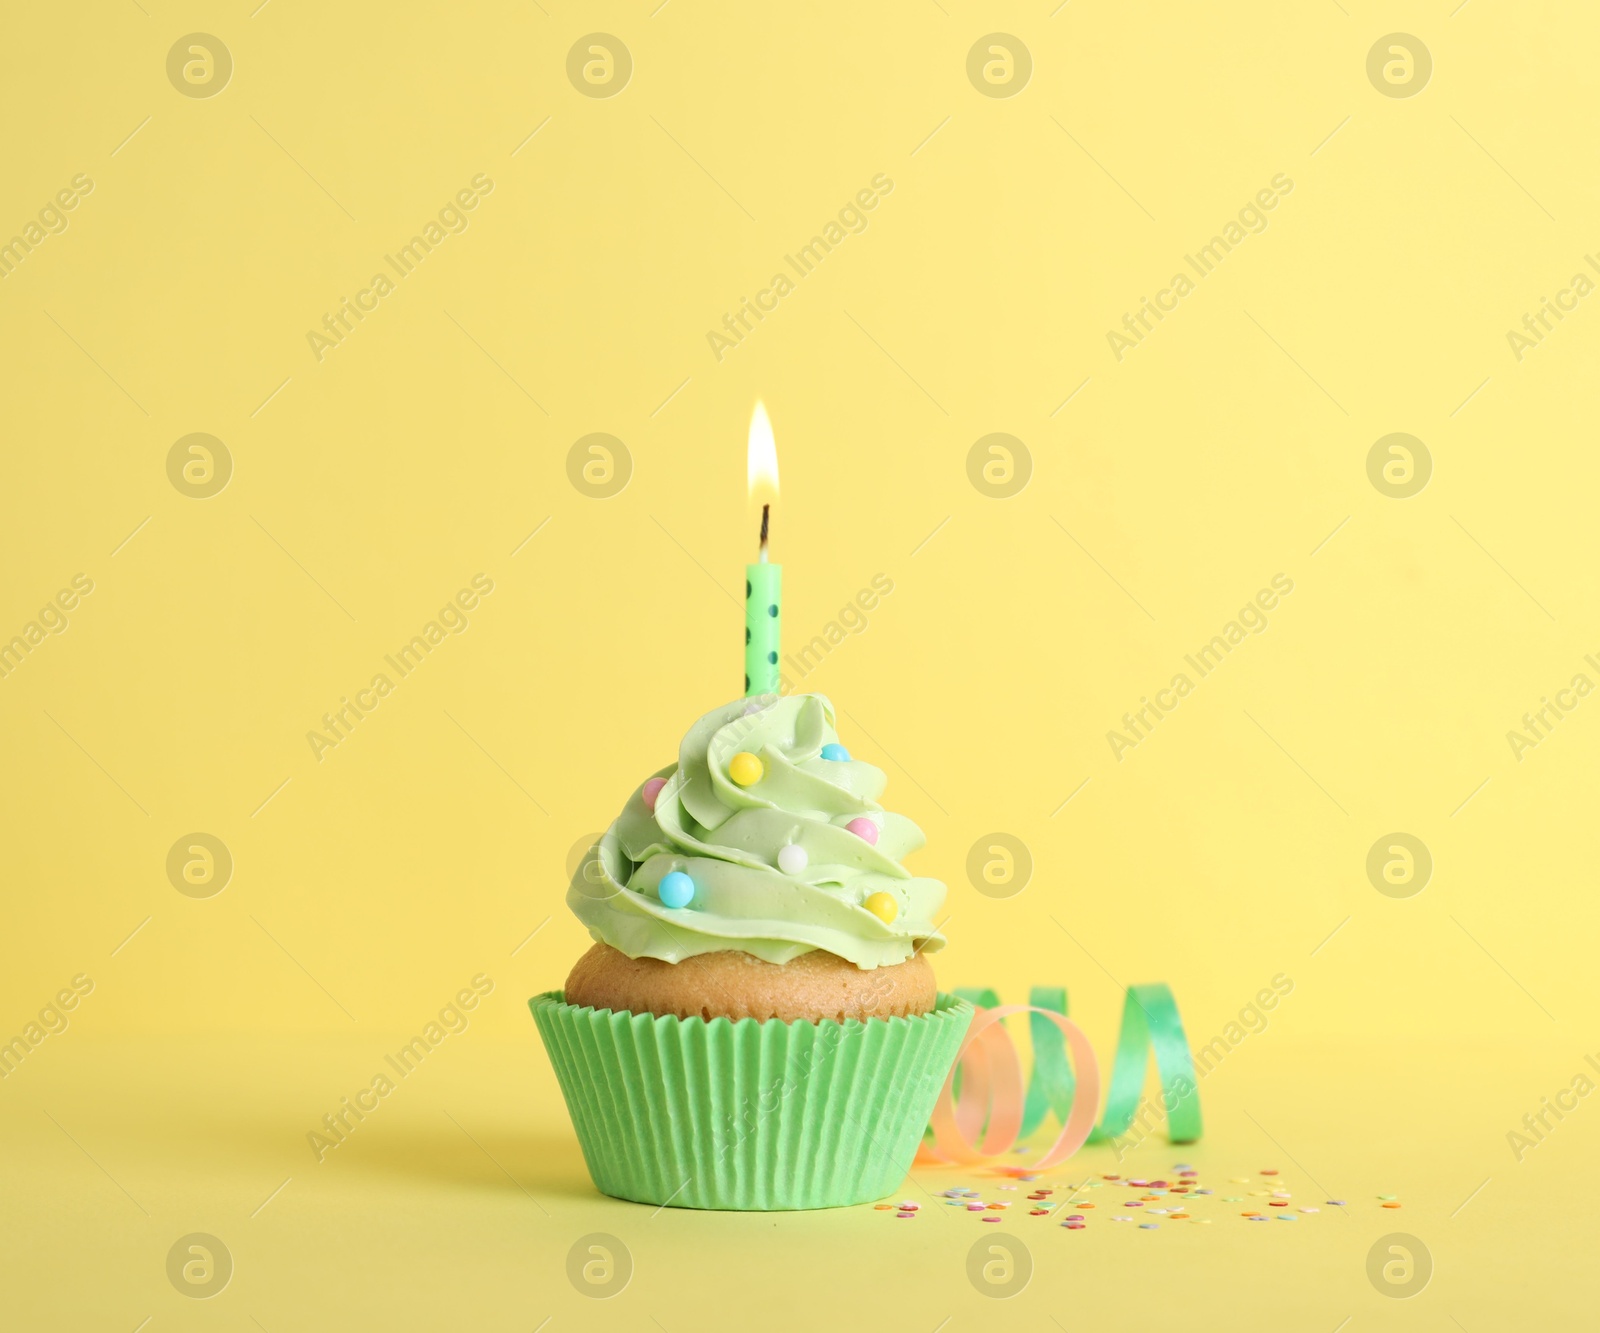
x=1150, y=1022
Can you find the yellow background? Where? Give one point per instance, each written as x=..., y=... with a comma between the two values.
x=1164, y=491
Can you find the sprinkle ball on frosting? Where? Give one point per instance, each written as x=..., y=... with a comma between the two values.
x=864, y=829
x=883, y=906
x=650, y=791
x=676, y=889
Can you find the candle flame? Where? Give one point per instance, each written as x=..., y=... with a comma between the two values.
x=762, y=469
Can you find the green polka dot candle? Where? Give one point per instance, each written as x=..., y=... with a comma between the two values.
x=763, y=619
x=763, y=581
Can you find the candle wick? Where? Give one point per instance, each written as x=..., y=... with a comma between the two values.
x=766, y=513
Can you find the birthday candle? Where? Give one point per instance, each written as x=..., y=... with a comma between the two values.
x=763, y=580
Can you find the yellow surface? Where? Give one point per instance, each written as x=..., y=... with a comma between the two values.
x=372, y=481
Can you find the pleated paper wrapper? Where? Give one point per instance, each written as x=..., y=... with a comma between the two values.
x=748, y=1115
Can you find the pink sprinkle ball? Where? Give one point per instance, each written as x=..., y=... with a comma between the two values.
x=652, y=790
x=864, y=829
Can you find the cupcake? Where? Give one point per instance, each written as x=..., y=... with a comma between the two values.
x=757, y=1024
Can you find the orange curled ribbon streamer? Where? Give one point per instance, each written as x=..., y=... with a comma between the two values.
x=991, y=1099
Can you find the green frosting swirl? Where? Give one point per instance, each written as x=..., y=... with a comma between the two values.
x=727, y=839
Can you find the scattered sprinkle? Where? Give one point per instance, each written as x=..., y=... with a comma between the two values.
x=1176, y=1198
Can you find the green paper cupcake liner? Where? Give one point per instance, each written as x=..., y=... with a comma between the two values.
x=748, y=1115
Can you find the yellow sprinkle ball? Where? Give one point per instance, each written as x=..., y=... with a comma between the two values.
x=882, y=906
x=745, y=769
